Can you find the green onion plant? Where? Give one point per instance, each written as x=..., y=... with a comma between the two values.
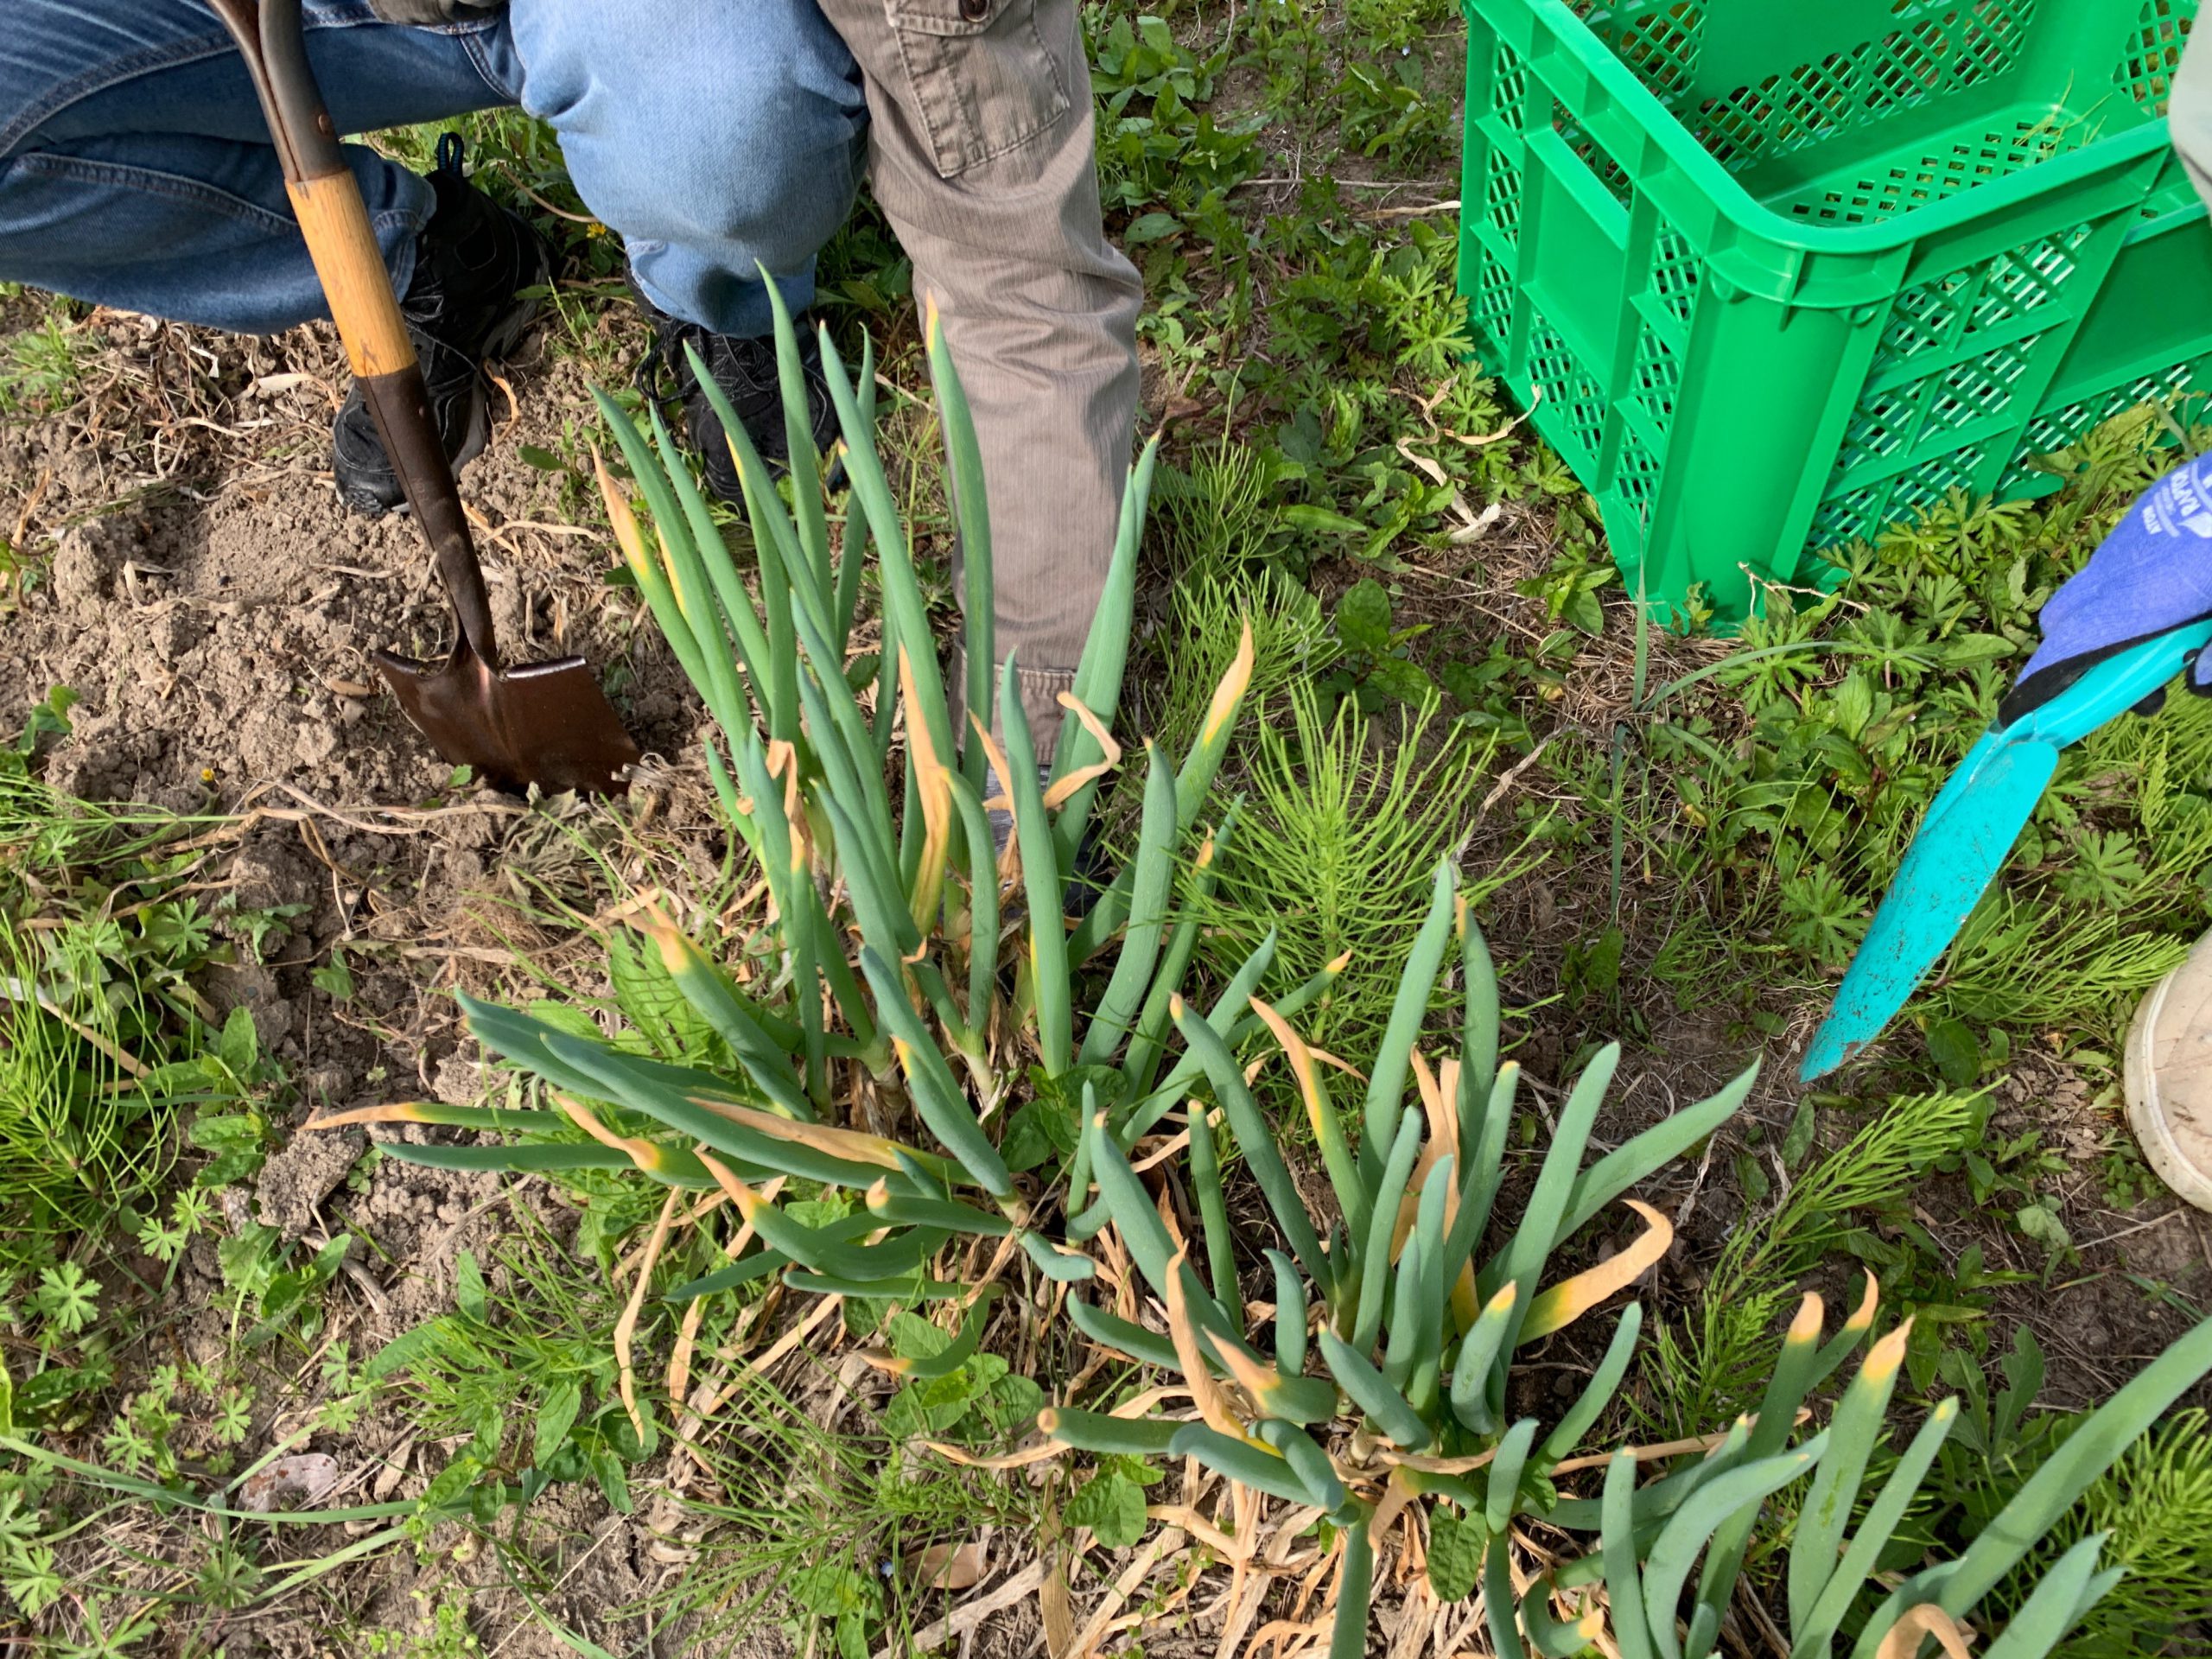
x=906, y=962
x=1414, y=1328
x=1843, y=1591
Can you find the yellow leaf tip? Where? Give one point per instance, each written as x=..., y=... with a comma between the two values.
x=1811, y=1312
x=1862, y=1317
x=1884, y=1359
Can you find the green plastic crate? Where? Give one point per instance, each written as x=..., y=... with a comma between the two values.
x=1775, y=273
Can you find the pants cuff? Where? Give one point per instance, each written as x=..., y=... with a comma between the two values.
x=1040, y=689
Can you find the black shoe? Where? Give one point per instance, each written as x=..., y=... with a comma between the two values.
x=473, y=263
x=746, y=371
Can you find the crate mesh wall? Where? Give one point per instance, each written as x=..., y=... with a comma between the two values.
x=1953, y=390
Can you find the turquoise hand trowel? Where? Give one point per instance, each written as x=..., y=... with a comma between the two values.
x=1969, y=830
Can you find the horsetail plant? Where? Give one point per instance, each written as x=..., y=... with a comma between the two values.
x=961, y=965
x=1414, y=1330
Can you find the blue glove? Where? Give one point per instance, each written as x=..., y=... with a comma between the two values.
x=2153, y=572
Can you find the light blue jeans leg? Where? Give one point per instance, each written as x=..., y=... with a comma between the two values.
x=714, y=136
x=135, y=170
x=717, y=136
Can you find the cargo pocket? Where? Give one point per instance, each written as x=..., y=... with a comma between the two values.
x=984, y=81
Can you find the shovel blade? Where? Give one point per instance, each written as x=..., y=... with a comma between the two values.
x=1970, y=829
x=542, y=723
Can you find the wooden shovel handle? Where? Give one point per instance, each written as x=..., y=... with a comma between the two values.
x=351, y=267
x=327, y=203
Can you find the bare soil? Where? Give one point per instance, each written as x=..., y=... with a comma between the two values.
x=215, y=606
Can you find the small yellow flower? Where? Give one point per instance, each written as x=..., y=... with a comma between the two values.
x=207, y=774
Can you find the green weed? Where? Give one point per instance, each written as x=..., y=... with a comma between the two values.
x=1160, y=161
x=2154, y=1508
x=529, y=1377
x=27, y=1562
x=1207, y=612
x=1787, y=780
x=42, y=367
x=827, y=1533
x=1376, y=665
x=111, y=1063
x=445, y=1633
x=1711, y=1366
x=978, y=1400
x=1214, y=513
x=1390, y=112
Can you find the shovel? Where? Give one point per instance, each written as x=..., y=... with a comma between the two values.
x=542, y=723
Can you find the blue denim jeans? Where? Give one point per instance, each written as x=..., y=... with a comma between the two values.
x=136, y=171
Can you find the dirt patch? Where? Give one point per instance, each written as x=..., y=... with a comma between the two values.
x=214, y=605
x=299, y=1176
